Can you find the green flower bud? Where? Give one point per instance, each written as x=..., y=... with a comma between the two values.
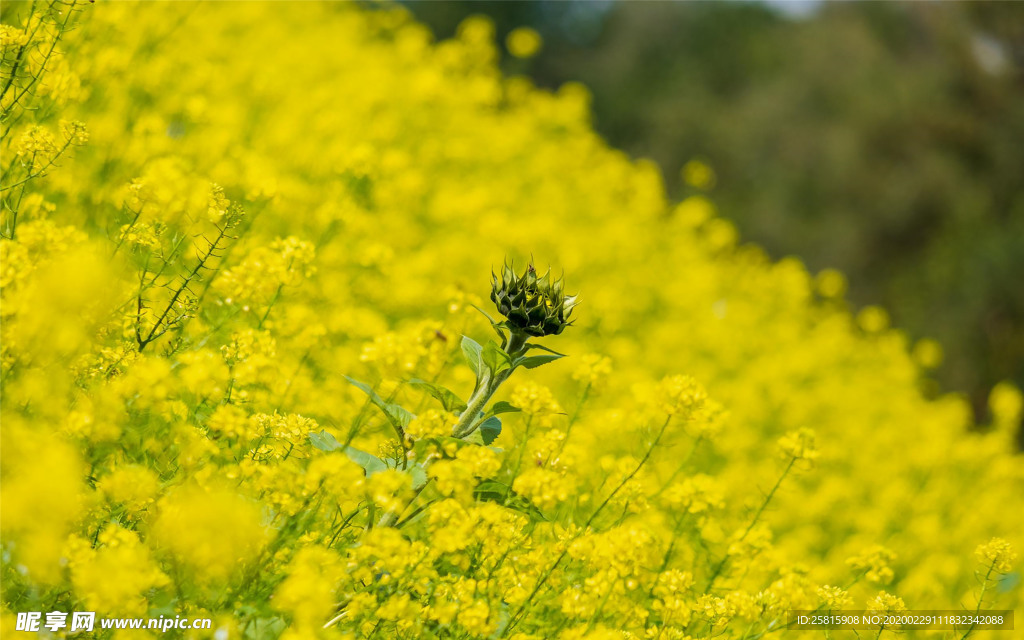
x=534, y=305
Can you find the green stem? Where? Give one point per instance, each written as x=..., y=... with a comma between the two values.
x=750, y=527
x=522, y=453
x=516, y=344
x=470, y=418
x=487, y=386
x=516, y=618
x=681, y=468
x=981, y=598
x=390, y=518
x=768, y=498
x=576, y=413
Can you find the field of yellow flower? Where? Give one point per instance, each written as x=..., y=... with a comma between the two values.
x=248, y=372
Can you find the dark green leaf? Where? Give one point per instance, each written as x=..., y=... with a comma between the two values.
x=500, y=328
x=532, y=362
x=491, y=490
x=503, y=407
x=446, y=397
x=497, y=326
x=490, y=429
x=534, y=345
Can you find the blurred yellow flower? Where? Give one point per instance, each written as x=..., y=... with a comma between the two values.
x=523, y=42
x=212, y=532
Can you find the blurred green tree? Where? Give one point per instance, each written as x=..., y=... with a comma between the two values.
x=883, y=139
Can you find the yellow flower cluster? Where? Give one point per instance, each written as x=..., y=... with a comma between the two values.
x=179, y=433
x=116, y=573
x=799, y=445
x=875, y=562
x=998, y=554
x=593, y=369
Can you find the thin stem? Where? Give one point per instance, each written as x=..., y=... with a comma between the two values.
x=770, y=630
x=391, y=517
x=124, y=235
x=516, y=618
x=487, y=386
x=153, y=332
x=270, y=306
x=522, y=453
x=481, y=395
x=643, y=461
x=750, y=527
x=681, y=468
x=579, y=407
x=61, y=29
x=981, y=598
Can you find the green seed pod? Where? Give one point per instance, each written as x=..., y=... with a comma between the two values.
x=534, y=305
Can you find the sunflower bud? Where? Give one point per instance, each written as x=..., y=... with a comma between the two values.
x=533, y=305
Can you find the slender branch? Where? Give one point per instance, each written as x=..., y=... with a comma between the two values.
x=579, y=408
x=981, y=599
x=516, y=618
x=124, y=235
x=42, y=67
x=153, y=335
x=32, y=175
x=681, y=468
x=753, y=521
x=643, y=461
x=22, y=48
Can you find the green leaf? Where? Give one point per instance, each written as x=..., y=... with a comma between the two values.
x=524, y=506
x=489, y=429
x=324, y=441
x=367, y=389
x=534, y=345
x=419, y=475
x=370, y=463
x=492, y=490
x=504, y=618
x=503, y=407
x=485, y=433
x=420, y=446
x=486, y=315
x=532, y=362
x=499, y=329
x=497, y=326
x=495, y=357
x=264, y=628
x=396, y=414
x=446, y=397
x=471, y=349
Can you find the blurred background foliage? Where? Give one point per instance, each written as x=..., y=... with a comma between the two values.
x=882, y=139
